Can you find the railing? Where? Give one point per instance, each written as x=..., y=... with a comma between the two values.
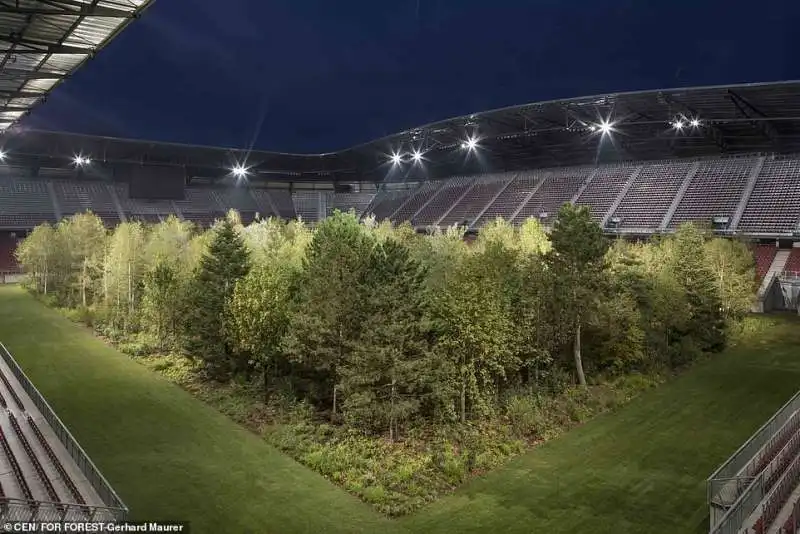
x=42, y=511
x=731, y=471
x=778, y=495
x=790, y=274
x=115, y=509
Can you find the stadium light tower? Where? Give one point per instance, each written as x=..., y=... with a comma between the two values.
x=470, y=144
x=240, y=171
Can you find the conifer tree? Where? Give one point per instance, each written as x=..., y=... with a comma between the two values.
x=204, y=324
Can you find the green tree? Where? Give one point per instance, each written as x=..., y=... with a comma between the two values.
x=326, y=315
x=733, y=266
x=123, y=271
x=693, y=272
x=579, y=249
x=211, y=286
x=389, y=370
x=35, y=255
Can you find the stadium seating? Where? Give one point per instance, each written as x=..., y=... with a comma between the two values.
x=51, y=455
x=8, y=244
x=715, y=190
x=41, y=474
x=76, y=197
x=447, y=195
x=471, y=205
x=310, y=206
x=24, y=204
x=604, y=188
x=558, y=188
x=275, y=202
x=793, y=263
x=509, y=200
x=386, y=203
x=11, y=459
x=357, y=202
x=764, y=254
x=417, y=200
x=774, y=204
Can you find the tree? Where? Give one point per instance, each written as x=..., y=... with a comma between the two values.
x=86, y=238
x=579, y=249
x=168, y=259
x=692, y=271
x=35, y=256
x=389, y=368
x=208, y=292
x=326, y=314
x=733, y=266
x=123, y=271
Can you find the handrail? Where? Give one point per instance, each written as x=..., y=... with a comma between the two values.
x=113, y=503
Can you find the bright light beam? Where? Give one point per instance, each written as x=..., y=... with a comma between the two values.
x=2, y=156
x=417, y=156
x=695, y=123
x=397, y=158
x=240, y=171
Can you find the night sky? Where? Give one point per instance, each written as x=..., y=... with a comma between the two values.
x=321, y=75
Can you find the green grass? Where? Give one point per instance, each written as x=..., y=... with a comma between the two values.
x=168, y=455
x=639, y=469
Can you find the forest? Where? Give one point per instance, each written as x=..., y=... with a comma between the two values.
x=398, y=364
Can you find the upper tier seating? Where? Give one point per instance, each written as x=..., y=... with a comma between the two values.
x=650, y=195
x=558, y=188
x=447, y=195
x=715, y=190
x=77, y=197
x=774, y=204
x=507, y=203
x=24, y=204
x=470, y=206
x=417, y=201
x=606, y=185
x=357, y=202
x=386, y=203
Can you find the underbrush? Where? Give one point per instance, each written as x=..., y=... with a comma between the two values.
x=427, y=462
x=396, y=477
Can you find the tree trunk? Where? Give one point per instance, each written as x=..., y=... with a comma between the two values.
x=391, y=413
x=463, y=399
x=578, y=358
x=333, y=414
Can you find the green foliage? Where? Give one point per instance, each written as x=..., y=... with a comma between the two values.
x=209, y=290
x=458, y=354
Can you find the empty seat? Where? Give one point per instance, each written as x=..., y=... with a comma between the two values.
x=774, y=204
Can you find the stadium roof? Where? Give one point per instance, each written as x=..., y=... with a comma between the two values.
x=645, y=125
x=44, y=41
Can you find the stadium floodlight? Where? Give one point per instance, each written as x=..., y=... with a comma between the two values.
x=606, y=127
x=397, y=158
x=240, y=171
x=80, y=161
x=417, y=156
x=2, y=156
x=678, y=124
x=470, y=144
x=695, y=123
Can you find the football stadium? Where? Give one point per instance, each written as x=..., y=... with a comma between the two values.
x=581, y=315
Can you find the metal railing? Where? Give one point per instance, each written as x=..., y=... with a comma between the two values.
x=115, y=509
x=749, y=488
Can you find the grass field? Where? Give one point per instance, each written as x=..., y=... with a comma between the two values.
x=640, y=469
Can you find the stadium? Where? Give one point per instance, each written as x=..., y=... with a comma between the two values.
x=726, y=158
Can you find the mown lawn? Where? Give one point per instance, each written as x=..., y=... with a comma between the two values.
x=168, y=455
x=640, y=469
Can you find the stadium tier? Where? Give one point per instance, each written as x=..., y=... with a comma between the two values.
x=46, y=476
x=757, y=490
x=748, y=195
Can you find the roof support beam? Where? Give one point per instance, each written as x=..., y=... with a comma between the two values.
x=63, y=7
x=33, y=46
x=748, y=110
x=31, y=75
x=7, y=95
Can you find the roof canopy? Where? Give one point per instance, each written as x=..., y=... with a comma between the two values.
x=647, y=125
x=44, y=41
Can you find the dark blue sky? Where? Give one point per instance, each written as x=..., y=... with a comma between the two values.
x=320, y=75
